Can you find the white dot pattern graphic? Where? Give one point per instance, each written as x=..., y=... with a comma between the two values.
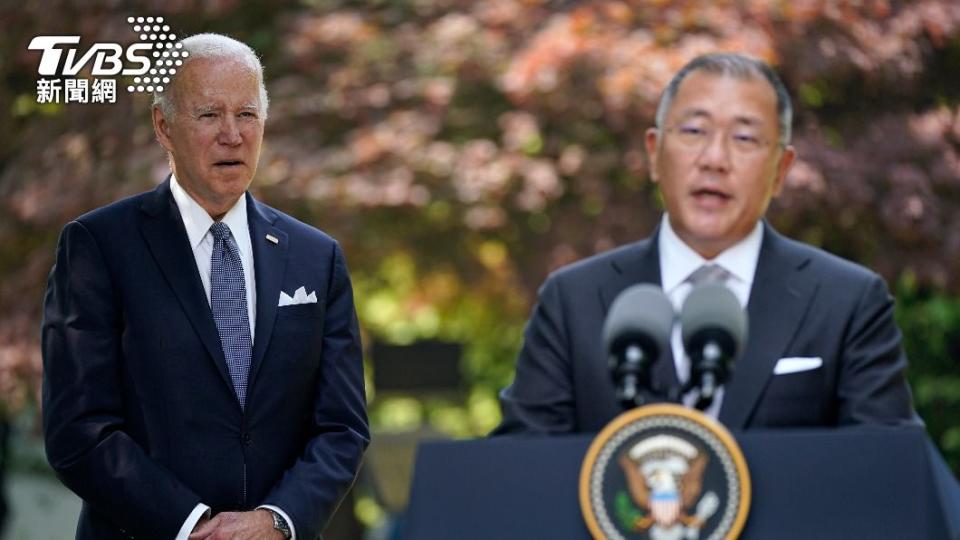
x=161, y=39
x=228, y=301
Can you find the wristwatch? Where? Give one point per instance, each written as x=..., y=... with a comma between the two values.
x=279, y=523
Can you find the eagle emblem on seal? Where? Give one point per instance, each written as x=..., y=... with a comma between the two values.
x=664, y=477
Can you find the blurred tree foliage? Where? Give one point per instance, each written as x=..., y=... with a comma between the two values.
x=461, y=150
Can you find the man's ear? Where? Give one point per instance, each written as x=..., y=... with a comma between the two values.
x=161, y=128
x=650, y=140
x=787, y=158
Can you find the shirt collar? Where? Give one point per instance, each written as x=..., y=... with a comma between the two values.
x=678, y=260
x=197, y=221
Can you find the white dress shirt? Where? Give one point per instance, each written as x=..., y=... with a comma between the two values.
x=197, y=222
x=678, y=261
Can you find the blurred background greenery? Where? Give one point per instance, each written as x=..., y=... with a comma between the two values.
x=461, y=150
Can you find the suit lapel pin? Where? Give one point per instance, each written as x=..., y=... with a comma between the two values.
x=273, y=239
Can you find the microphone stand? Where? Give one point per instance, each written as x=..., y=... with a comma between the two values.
x=707, y=374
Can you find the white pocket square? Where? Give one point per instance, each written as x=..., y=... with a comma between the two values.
x=797, y=364
x=300, y=296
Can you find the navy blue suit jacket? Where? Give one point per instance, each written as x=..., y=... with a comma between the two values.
x=804, y=303
x=140, y=416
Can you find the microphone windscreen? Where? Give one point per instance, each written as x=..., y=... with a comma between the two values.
x=714, y=308
x=641, y=312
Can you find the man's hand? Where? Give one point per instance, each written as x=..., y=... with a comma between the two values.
x=253, y=525
x=204, y=527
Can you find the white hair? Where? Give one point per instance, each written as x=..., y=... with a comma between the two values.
x=212, y=46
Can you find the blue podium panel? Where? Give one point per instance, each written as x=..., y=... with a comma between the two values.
x=807, y=484
x=841, y=484
x=509, y=487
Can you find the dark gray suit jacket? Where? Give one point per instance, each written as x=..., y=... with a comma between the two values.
x=804, y=303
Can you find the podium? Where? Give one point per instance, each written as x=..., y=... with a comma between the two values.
x=849, y=483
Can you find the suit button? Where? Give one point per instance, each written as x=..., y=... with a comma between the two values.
x=246, y=438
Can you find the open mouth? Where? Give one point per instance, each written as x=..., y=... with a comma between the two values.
x=710, y=196
x=229, y=163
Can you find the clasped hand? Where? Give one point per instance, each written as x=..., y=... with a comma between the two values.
x=252, y=525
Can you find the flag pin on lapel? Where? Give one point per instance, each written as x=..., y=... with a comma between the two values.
x=273, y=239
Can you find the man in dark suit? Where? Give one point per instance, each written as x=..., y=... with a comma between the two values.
x=823, y=348
x=202, y=364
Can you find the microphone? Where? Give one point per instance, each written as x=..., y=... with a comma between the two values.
x=714, y=328
x=635, y=333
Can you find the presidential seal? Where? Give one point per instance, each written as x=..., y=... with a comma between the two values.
x=664, y=472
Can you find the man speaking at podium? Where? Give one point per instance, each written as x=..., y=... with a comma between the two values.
x=822, y=348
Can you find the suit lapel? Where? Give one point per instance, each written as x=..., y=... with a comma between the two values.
x=779, y=299
x=640, y=264
x=270, y=263
x=162, y=228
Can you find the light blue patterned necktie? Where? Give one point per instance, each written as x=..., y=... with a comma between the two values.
x=228, y=300
x=709, y=273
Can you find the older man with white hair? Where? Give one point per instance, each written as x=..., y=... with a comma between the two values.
x=203, y=376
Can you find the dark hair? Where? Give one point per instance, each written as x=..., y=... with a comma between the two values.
x=733, y=65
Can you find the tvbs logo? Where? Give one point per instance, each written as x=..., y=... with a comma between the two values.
x=150, y=62
x=107, y=57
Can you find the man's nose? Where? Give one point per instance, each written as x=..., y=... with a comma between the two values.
x=229, y=132
x=715, y=154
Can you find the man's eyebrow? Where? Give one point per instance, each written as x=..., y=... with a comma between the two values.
x=748, y=120
x=745, y=120
x=203, y=109
x=249, y=106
